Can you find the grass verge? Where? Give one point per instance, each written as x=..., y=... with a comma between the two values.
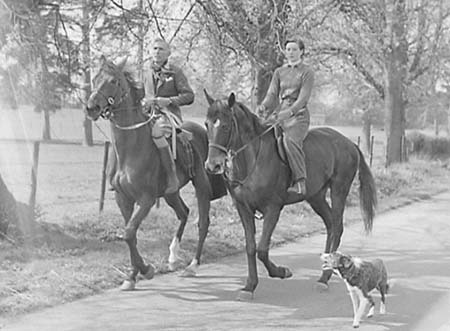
x=80, y=258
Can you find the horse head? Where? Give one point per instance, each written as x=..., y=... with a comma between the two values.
x=219, y=124
x=110, y=89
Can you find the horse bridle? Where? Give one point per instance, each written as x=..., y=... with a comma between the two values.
x=111, y=101
x=231, y=154
x=112, y=107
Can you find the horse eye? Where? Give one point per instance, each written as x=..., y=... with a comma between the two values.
x=217, y=123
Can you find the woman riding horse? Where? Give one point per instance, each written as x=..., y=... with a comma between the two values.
x=290, y=88
x=245, y=151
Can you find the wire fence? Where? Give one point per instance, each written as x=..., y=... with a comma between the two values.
x=70, y=178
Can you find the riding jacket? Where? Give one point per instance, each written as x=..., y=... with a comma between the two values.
x=169, y=82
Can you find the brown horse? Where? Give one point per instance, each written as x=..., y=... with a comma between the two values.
x=245, y=151
x=138, y=178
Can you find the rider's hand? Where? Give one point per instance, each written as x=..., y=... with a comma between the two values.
x=146, y=104
x=261, y=111
x=284, y=114
x=162, y=102
x=272, y=119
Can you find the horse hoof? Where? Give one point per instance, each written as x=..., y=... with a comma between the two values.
x=245, y=296
x=128, y=285
x=150, y=273
x=188, y=273
x=287, y=273
x=321, y=287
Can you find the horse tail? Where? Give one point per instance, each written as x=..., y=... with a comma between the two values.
x=367, y=193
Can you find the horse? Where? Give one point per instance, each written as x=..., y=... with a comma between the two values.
x=138, y=178
x=245, y=151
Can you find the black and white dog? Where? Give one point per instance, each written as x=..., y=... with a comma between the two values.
x=361, y=277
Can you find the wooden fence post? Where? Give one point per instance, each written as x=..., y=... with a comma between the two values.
x=34, y=171
x=371, y=149
x=103, y=184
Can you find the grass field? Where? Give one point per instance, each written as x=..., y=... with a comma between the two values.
x=75, y=252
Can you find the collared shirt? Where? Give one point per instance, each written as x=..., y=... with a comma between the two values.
x=291, y=87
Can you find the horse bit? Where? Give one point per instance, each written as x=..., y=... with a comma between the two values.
x=231, y=154
x=107, y=112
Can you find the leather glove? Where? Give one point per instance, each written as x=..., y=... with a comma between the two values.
x=261, y=111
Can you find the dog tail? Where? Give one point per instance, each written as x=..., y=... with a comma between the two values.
x=390, y=283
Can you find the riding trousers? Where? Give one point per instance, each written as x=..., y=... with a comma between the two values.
x=295, y=129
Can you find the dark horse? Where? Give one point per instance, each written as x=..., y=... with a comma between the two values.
x=245, y=151
x=139, y=179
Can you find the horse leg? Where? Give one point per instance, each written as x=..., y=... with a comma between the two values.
x=182, y=211
x=271, y=217
x=338, y=195
x=248, y=222
x=141, y=210
x=320, y=205
x=203, y=194
x=126, y=209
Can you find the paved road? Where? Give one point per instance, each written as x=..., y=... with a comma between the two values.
x=414, y=241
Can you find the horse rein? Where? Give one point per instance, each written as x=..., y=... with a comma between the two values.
x=108, y=111
x=231, y=154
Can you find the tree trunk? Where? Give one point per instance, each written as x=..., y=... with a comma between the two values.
x=262, y=81
x=88, y=139
x=8, y=209
x=140, y=52
x=394, y=87
x=366, y=129
x=46, y=131
x=266, y=51
x=448, y=121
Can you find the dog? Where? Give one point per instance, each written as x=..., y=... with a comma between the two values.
x=360, y=277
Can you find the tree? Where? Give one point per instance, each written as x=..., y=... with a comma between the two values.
x=390, y=44
x=8, y=209
x=88, y=139
x=256, y=28
x=29, y=36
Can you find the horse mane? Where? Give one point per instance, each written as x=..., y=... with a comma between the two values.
x=255, y=123
x=136, y=86
x=250, y=122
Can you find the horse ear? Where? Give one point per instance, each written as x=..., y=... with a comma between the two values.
x=208, y=97
x=122, y=63
x=231, y=100
x=103, y=59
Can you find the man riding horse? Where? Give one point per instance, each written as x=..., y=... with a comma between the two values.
x=166, y=89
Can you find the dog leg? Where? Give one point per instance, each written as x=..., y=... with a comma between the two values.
x=383, y=290
x=372, y=306
x=362, y=307
x=355, y=302
x=353, y=296
x=382, y=308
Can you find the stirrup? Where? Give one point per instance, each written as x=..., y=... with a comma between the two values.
x=298, y=188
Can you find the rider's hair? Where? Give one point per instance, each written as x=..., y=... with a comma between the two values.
x=298, y=41
x=161, y=40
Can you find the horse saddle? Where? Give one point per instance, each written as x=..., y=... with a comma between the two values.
x=281, y=147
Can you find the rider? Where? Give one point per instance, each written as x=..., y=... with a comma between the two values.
x=286, y=101
x=166, y=89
